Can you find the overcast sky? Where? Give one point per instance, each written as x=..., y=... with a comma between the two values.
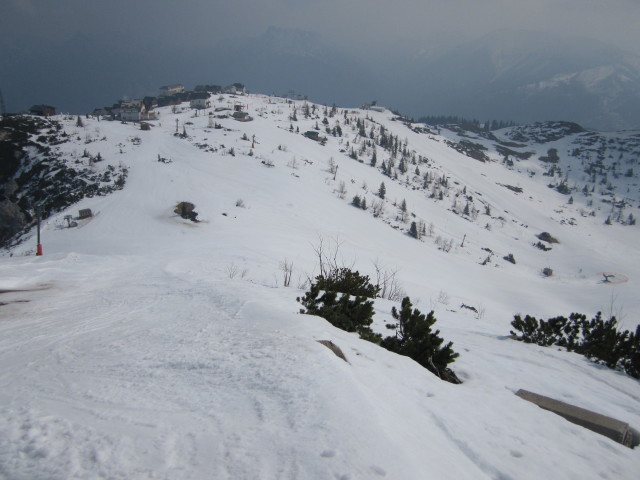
x=206, y=21
x=79, y=54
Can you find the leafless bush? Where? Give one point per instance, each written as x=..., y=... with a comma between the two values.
x=287, y=269
x=303, y=281
x=240, y=203
x=377, y=207
x=342, y=190
x=330, y=259
x=293, y=163
x=332, y=166
x=442, y=298
x=388, y=283
x=615, y=309
x=443, y=244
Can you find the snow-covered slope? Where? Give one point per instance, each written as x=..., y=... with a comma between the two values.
x=143, y=345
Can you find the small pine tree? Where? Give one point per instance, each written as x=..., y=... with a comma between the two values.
x=382, y=191
x=356, y=202
x=413, y=230
x=415, y=339
x=353, y=310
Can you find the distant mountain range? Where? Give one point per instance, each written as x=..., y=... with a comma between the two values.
x=507, y=75
x=525, y=76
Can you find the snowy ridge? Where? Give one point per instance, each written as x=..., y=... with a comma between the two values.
x=144, y=345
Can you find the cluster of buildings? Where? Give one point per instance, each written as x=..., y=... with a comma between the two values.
x=144, y=109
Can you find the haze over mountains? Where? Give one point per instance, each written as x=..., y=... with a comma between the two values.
x=506, y=75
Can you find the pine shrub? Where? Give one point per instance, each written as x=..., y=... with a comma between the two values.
x=596, y=339
x=414, y=338
x=343, y=297
x=413, y=230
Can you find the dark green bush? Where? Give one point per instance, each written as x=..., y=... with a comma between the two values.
x=597, y=339
x=344, y=299
x=415, y=339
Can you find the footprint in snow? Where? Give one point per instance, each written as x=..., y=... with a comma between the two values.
x=328, y=454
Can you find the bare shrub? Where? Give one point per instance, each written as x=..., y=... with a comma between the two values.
x=293, y=163
x=377, y=207
x=388, y=283
x=442, y=298
x=332, y=166
x=287, y=269
x=342, y=190
x=329, y=257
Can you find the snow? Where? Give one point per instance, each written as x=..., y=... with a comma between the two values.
x=145, y=346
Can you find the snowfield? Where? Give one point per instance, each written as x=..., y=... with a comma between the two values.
x=146, y=346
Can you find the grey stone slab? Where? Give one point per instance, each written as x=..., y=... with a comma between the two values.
x=609, y=427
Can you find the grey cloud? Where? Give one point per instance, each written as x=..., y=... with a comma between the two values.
x=121, y=47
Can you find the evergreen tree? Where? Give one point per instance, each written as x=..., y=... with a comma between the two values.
x=403, y=210
x=382, y=191
x=353, y=310
x=402, y=166
x=413, y=230
x=415, y=339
